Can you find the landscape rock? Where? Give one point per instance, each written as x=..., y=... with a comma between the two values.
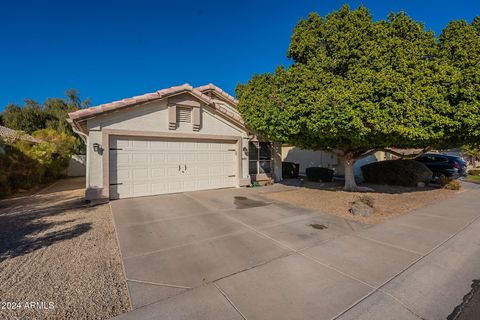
x=360, y=208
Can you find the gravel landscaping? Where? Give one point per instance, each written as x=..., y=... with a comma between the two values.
x=389, y=201
x=59, y=259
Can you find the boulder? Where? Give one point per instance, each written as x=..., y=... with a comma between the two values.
x=360, y=208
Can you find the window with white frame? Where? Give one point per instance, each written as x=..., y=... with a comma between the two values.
x=260, y=157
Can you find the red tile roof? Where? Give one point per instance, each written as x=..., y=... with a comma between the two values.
x=217, y=90
x=116, y=105
x=128, y=102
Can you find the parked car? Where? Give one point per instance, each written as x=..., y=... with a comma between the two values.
x=444, y=165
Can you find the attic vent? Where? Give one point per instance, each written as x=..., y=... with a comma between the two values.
x=184, y=114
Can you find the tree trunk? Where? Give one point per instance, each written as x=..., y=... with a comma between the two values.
x=350, y=184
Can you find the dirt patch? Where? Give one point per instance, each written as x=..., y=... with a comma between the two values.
x=389, y=201
x=59, y=257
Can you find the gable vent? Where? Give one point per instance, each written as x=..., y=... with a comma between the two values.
x=184, y=114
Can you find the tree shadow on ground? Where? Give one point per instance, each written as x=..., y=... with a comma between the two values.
x=337, y=185
x=27, y=231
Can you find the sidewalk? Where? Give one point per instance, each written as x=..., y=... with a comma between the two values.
x=416, y=266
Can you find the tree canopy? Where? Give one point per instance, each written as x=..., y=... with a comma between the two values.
x=357, y=85
x=52, y=114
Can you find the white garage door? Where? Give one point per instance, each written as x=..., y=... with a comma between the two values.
x=148, y=166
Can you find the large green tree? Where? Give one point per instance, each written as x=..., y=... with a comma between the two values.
x=357, y=86
x=28, y=118
x=52, y=114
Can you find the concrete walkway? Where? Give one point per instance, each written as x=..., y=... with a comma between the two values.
x=416, y=266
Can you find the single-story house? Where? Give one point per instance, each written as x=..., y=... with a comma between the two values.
x=173, y=140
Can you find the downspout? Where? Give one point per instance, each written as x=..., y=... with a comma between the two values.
x=84, y=137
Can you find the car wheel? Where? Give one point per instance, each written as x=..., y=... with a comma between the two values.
x=438, y=176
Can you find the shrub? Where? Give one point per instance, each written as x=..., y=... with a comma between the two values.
x=474, y=172
x=452, y=185
x=290, y=170
x=443, y=181
x=397, y=172
x=18, y=171
x=319, y=174
x=24, y=165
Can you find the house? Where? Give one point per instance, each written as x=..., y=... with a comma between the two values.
x=173, y=140
x=326, y=159
x=10, y=134
x=7, y=134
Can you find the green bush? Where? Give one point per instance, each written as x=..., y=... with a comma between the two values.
x=18, y=171
x=24, y=165
x=474, y=172
x=397, y=172
x=452, y=185
x=290, y=170
x=319, y=174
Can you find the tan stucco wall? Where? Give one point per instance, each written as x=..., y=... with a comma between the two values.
x=309, y=158
x=153, y=117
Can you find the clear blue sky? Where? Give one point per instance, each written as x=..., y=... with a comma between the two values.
x=110, y=50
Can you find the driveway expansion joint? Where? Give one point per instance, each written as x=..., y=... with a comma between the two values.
x=230, y=301
x=379, y=288
x=159, y=284
x=387, y=244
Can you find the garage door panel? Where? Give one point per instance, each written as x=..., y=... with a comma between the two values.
x=120, y=173
x=174, y=186
x=120, y=143
x=120, y=158
x=158, y=172
x=173, y=145
x=159, y=188
x=140, y=158
x=140, y=188
x=158, y=144
x=157, y=157
x=203, y=157
x=203, y=171
x=229, y=156
x=189, y=157
x=140, y=173
x=140, y=144
x=174, y=157
x=216, y=156
x=172, y=172
x=142, y=166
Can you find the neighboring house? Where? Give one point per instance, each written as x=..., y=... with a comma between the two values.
x=10, y=134
x=173, y=140
x=325, y=159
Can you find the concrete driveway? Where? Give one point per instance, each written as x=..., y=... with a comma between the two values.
x=231, y=254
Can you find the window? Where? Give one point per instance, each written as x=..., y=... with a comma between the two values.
x=440, y=159
x=184, y=115
x=260, y=157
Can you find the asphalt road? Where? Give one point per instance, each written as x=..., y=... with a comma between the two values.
x=470, y=308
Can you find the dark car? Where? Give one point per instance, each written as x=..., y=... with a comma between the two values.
x=444, y=165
